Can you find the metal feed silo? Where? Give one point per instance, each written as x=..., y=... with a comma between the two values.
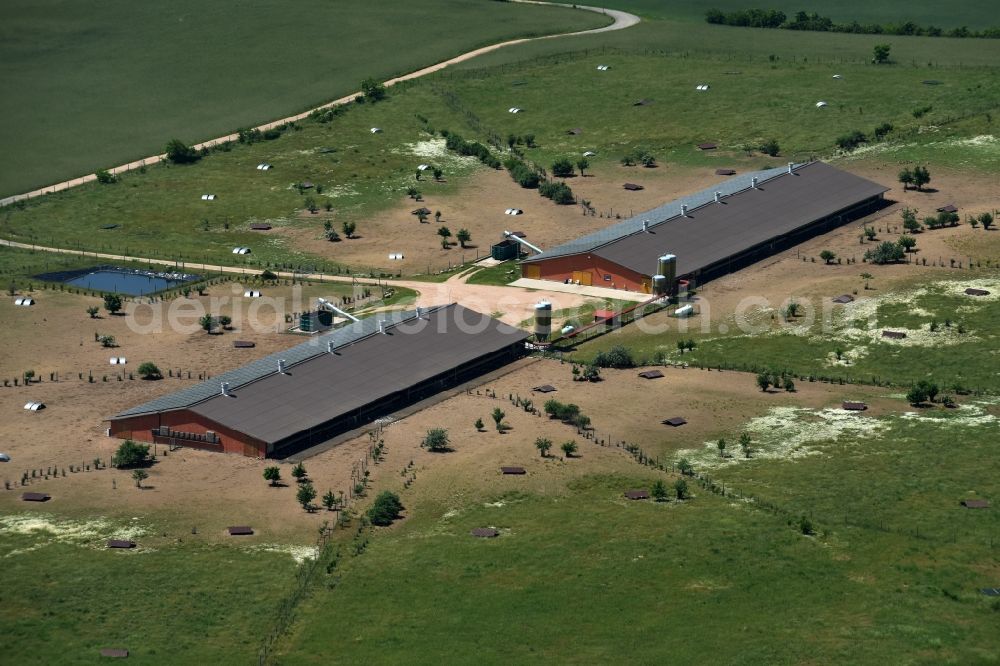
x=659, y=285
x=543, y=320
x=666, y=266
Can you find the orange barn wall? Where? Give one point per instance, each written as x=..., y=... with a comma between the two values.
x=140, y=429
x=562, y=268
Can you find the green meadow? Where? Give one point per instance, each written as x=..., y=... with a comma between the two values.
x=160, y=213
x=891, y=572
x=949, y=334
x=65, y=597
x=92, y=85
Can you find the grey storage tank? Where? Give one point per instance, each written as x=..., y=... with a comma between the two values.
x=543, y=320
x=667, y=267
x=659, y=285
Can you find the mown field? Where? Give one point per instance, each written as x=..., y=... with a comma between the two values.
x=65, y=597
x=891, y=574
x=99, y=84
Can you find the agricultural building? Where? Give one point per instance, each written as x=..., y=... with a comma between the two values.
x=331, y=384
x=713, y=232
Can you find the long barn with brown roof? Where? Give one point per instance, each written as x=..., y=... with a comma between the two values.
x=713, y=232
x=305, y=395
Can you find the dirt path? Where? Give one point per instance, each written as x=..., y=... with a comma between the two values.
x=622, y=20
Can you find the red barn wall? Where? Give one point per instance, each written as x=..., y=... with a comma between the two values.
x=561, y=269
x=140, y=428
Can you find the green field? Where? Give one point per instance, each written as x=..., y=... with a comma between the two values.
x=951, y=355
x=579, y=575
x=65, y=597
x=160, y=213
x=972, y=13
x=99, y=84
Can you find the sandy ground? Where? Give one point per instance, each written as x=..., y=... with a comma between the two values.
x=479, y=207
x=621, y=21
x=209, y=491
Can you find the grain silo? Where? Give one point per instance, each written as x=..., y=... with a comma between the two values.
x=543, y=320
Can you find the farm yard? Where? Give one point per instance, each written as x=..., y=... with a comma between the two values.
x=796, y=470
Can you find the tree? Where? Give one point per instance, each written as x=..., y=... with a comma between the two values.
x=148, y=370
x=907, y=243
x=921, y=176
x=617, y=357
x=582, y=164
x=562, y=168
x=745, y=444
x=299, y=473
x=498, y=416
x=770, y=147
x=385, y=509
x=112, y=303
x=906, y=178
x=479, y=425
x=569, y=448
x=225, y=321
x=910, y=222
x=305, y=495
x=373, y=90
x=827, y=256
x=681, y=488
x=139, y=475
x=684, y=467
x=180, y=153
x=105, y=177
x=886, y=253
x=438, y=173
x=445, y=234
x=130, y=454
x=207, y=322
x=437, y=216
x=789, y=385
x=880, y=54
x=107, y=340
x=329, y=500
x=327, y=225
x=463, y=237
x=436, y=440
x=349, y=228
x=870, y=233
x=806, y=526
x=591, y=374
x=867, y=277
x=986, y=219
x=421, y=216
x=659, y=491
x=543, y=445
x=529, y=140
x=92, y=311
x=763, y=381
x=273, y=475
x=721, y=445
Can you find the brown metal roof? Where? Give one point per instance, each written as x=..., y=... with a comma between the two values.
x=544, y=388
x=120, y=543
x=485, y=532
x=708, y=145
x=118, y=653
x=716, y=231
x=976, y=504
x=675, y=421
x=972, y=291
x=327, y=386
x=35, y=497
x=240, y=530
x=844, y=299
x=894, y=335
x=517, y=471
x=853, y=406
x=650, y=374
x=725, y=172
x=633, y=187
x=637, y=494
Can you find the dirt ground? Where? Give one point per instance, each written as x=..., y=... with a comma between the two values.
x=479, y=207
x=193, y=489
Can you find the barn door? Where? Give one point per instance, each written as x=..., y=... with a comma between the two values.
x=583, y=277
x=532, y=271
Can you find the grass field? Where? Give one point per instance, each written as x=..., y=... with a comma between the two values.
x=892, y=573
x=99, y=84
x=944, y=355
x=161, y=213
x=971, y=13
x=65, y=597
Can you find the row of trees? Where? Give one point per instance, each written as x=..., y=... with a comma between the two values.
x=544, y=444
x=812, y=21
